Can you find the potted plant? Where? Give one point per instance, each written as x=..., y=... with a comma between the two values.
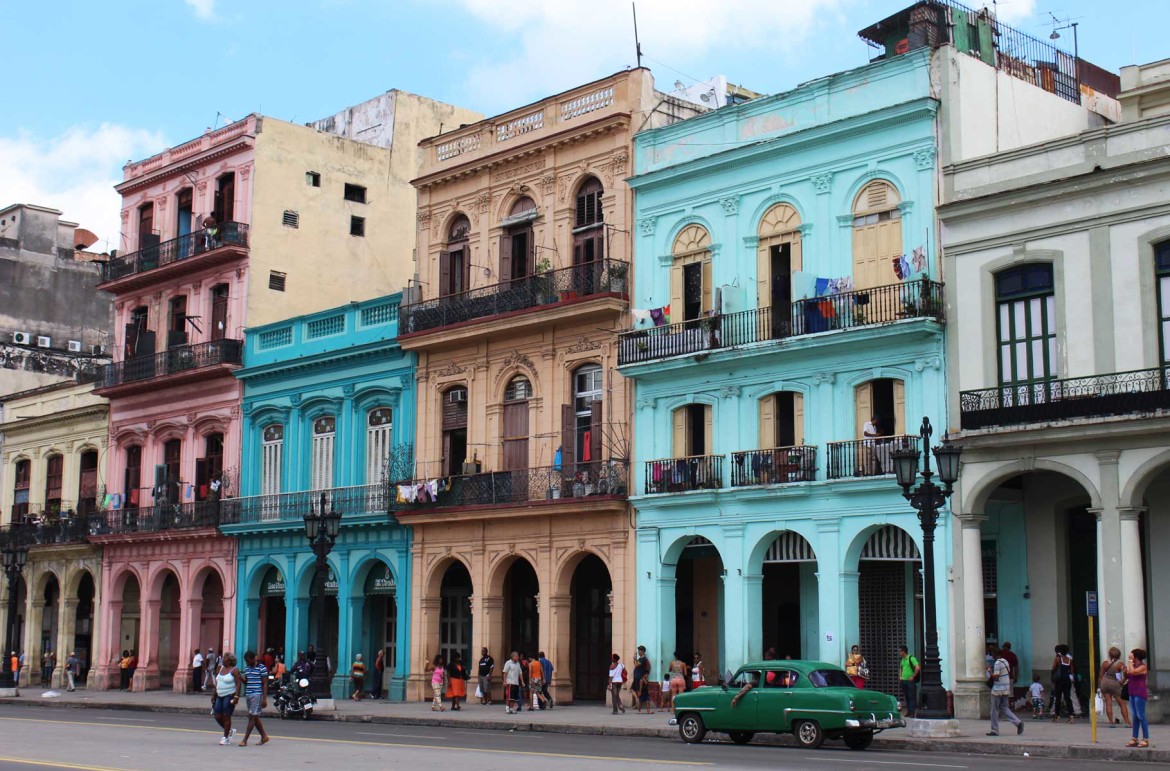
x=542, y=281
x=617, y=277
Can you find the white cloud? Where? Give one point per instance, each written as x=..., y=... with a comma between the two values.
x=75, y=172
x=557, y=45
x=204, y=9
x=1014, y=10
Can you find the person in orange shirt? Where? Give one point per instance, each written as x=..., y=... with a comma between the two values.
x=14, y=663
x=535, y=681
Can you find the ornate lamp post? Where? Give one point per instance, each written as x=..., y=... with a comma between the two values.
x=15, y=556
x=926, y=500
x=321, y=528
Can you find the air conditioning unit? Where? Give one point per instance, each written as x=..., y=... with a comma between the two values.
x=97, y=350
x=458, y=395
x=22, y=338
x=74, y=346
x=44, y=342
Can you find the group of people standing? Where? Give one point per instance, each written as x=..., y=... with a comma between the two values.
x=526, y=680
x=73, y=668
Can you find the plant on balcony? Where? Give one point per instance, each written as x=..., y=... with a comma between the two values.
x=542, y=281
x=617, y=276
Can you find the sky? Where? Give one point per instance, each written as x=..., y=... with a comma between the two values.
x=92, y=85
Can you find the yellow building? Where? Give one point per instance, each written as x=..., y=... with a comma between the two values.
x=522, y=529
x=54, y=438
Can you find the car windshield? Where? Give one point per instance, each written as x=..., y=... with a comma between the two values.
x=830, y=678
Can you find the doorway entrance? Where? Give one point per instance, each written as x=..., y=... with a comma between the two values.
x=591, y=628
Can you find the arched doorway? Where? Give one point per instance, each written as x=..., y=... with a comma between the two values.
x=591, y=628
x=698, y=602
x=379, y=622
x=789, y=597
x=50, y=618
x=889, y=599
x=21, y=605
x=130, y=625
x=83, y=623
x=211, y=612
x=169, y=619
x=273, y=611
x=521, y=617
x=455, y=613
x=331, y=618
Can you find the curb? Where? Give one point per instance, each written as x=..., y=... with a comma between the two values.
x=957, y=746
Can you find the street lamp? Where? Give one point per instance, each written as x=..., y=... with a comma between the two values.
x=926, y=500
x=1058, y=25
x=321, y=528
x=15, y=556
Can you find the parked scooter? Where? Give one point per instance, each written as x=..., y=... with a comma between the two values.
x=294, y=699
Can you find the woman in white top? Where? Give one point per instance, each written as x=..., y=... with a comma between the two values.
x=617, y=675
x=698, y=675
x=229, y=684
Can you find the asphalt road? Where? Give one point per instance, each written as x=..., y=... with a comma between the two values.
x=107, y=739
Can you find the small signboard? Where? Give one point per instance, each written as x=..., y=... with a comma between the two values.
x=1091, y=604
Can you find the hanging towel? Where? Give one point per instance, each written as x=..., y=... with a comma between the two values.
x=401, y=497
x=641, y=318
x=918, y=258
x=558, y=459
x=845, y=283
x=897, y=262
x=906, y=272
x=116, y=501
x=660, y=317
x=106, y=501
x=191, y=490
x=586, y=455
x=433, y=489
x=132, y=498
x=822, y=286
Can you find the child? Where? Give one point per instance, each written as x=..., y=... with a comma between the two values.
x=664, y=694
x=1037, y=692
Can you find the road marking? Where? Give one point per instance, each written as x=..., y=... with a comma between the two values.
x=397, y=736
x=891, y=763
x=533, y=753
x=133, y=719
x=56, y=764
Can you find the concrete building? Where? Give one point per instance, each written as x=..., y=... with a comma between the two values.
x=524, y=244
x=1058, y=370
x=54, y=437
x=54, y=324
x=328, y=420
x=242, y=226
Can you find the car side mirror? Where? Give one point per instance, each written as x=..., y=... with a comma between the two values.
x=723, y=686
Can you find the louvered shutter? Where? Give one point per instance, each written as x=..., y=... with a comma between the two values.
x=900, y=408
x=680, y=433
x=708, y=430
x=568, y=438
x=863, y=402
x=676, y=293
x=595, y=429
x=708, y=287
x=768, y=422
x=444, y=273
x=798, y=419
x=506, y=257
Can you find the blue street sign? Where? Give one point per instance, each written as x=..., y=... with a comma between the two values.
x=1091, y=604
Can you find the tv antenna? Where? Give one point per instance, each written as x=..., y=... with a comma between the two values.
x=637, y=45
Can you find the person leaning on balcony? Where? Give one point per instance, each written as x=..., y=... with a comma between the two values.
x=869, y=459
x=211, y=227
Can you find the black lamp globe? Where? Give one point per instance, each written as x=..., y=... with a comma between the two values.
x=905, y=465
x=947, y=456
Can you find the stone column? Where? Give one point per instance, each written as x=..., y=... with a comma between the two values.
x=190, y=621
x=753, y=604
x=487, y=628
x=425, y=632
x=558, y=608
x=66, y=631
x=666, y=622
x=733, y=614
x=146, y=675
x=971, y=695
x=31, y=647
x=1133, y=599
x=104, y=668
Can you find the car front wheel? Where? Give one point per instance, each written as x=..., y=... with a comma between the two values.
x=809, y=734
x=691, y=728
x=859, y=740
x=741, y=737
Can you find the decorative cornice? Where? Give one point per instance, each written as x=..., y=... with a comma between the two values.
x=451, y=369
x=924, y=158
x=730, y=205
x=822, y=183
x=646, y=226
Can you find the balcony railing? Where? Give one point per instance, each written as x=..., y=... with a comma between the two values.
x=178, y=359
x=777, y=466
x=866, y=457
x=167, y=252
x=677, y=475
x=160, y=517
x=292, y=507
x=552, y=287
x=546, y=483
x=71, y=528
x=922, y=298
x=1117, y=393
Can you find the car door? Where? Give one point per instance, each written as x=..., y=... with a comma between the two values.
x=775, y=700
x=741, y=717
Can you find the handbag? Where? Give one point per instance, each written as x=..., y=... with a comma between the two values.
x=863, y=672
x=1125, y=691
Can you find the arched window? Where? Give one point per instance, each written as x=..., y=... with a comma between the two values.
x=589, y=223
x=1025, y=301
x=132, y=480
x=87, y=483
x=271, y=458
x=514, y=431
x=379, y=424
x=877, y=234
x=581, y=421
x=517, y=247
x=22, y=480
x=691, y=282
x=455, y=259
x=54, y=475
x=778, y=256
x=454, y=425
x=324, y=431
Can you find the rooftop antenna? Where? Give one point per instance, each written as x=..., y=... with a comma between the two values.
x=637, y=45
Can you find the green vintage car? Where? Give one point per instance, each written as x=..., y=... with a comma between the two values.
x=811, y=700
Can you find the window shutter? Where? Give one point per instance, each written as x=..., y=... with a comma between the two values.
x=599, y=246
x=794, y=256
x=768, y=422
x=708, y=287
x=465, y=286
x=764, y=277
x=798, y=419
x=444, y=273
x=900, y=409
x=506, y=257
x=708, y=430
x=680, y=433
x=595, y=429
x=676, y=292
x=863, y=401
x=581, y=209
x=568, y=437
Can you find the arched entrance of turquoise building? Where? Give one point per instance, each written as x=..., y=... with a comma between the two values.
x=889, y=599
x=789, y=597
x=83, y=622
x=273, y=612
x=379, y=621
x=50, y=618
x=590, y=627
x=698, y=602
x=521, y=617
x=455, y=612
x=169, y=619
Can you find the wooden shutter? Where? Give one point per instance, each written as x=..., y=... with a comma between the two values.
x=888, y=238
x=506, y=257
x=708, y=287
x=864, y=257
x=768, y=422
x=595, y=429
x=763, y=276
x=794, y=258
x=708, y=429
x=568, y=437
x=131, y=341
x=599, y=245
x=465, y=286
x=444, y=273
x=863, y=401
x=515, y=435
x=900, y=408
x=680, y=448
x=798, y=419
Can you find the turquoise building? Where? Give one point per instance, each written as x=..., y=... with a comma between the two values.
x=328, y=420
x=786, y=250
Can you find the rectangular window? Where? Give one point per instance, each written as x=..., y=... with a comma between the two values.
x=271, y=456
x=276, y=280
x=357, y=226
x=1026, y=325
x=133, y=477
x=355, y=193
x=1162, y=269
x=20, y=489
x=312, y=179
x=54, y=472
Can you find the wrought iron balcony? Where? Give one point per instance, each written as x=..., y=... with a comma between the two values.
x=49, y=529
x=1117, y=393
x=776, y=466
x=161, y=517
x=532, y=485
x=677, y=475
x=922, y=298
x=866, y=457
x=233, y=235
x=178, y=360
x=292, y=507
x=554, y=287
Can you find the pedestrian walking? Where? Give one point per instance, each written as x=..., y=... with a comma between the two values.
x=536, y=682
x=229, y=683
x=21, y=669
x=1001, y=697
x=379, y=669
x=617, y=676
x=855, y=666
x=1036, y=692
x=487, y=666
x=547, y=668
x=909, y=670
x=210, y=667
x=256, y=694
x=1136, y=673
x=438, y=669
x=1063, y=671
x=640, y=684
x=512, y=671
x=197, y=672
x=124, y=671
x=357, y=677
x=1109, y=686
x=72, y=671
x=14, y=666
x=456, y=681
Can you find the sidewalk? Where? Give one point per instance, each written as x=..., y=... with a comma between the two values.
x=1041, y=738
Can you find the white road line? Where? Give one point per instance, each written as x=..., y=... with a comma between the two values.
x=890, y=763
x=132, y=719
x=389, y=735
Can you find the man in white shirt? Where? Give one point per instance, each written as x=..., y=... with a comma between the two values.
x=512, y=683
x=1001, y=695
x=197, y=672
x=869, y=453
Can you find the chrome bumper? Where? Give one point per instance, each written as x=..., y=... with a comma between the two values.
x=672, y=721
x=872, y=721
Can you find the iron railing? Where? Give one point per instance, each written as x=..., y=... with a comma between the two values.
x=545, y=483
x=866, y=457
x=677, y=475
x=921, y=298
x=775, y=466
x=1117, y=393
x=196, y=242
x=159, y=517
x=292, y=507
x=69, y=528
x=549, y=288
x=170, y=362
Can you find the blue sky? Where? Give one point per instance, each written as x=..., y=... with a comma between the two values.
x=99, y=83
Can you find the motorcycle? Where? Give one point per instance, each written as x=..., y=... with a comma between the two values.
x=294, y=698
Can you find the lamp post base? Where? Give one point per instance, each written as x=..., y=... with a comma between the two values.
x=320, y=682
x=925, y=728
